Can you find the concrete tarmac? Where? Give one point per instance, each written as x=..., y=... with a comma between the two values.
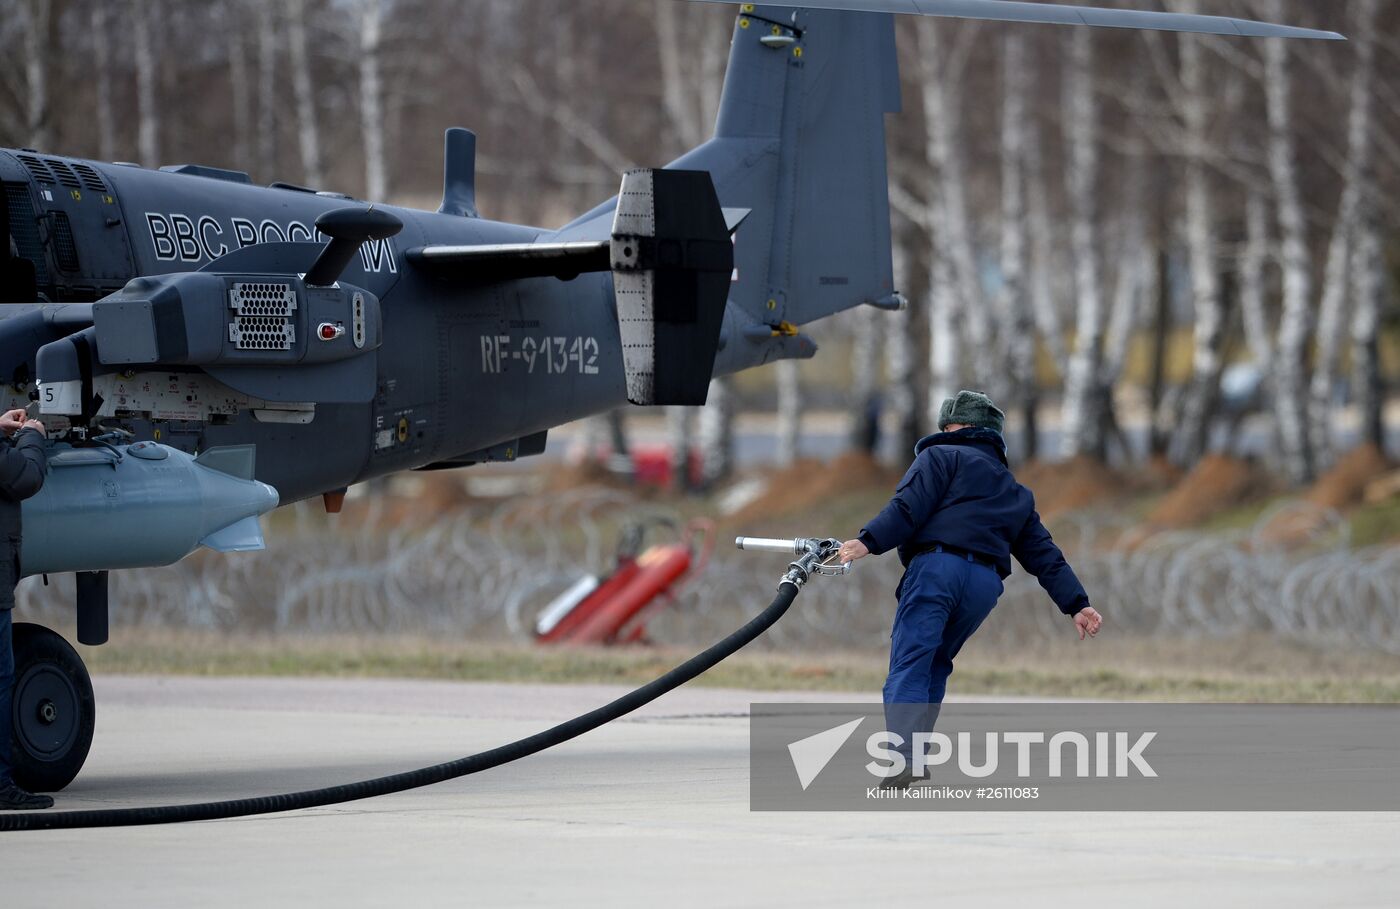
x=651, y=810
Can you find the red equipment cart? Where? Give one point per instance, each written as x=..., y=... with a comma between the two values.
x=615, y=609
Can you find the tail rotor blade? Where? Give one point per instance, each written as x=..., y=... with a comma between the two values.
x=1056, y=14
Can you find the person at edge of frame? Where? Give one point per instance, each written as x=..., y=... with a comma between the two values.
x=23, y=464
x=957, y=518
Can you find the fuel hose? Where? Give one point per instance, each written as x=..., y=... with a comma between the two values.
x=438, y=773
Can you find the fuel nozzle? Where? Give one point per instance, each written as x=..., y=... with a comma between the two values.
x=815, y=555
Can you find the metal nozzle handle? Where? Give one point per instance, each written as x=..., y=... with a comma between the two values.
x=760, y=544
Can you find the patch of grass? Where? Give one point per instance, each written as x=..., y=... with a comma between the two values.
x=1239, y=518
x=1236, y=670
x=1372, y=525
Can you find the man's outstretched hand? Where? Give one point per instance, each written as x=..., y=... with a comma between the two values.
x=1088, y=621
x=852, y=550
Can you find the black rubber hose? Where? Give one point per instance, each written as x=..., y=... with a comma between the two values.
x=414, y=779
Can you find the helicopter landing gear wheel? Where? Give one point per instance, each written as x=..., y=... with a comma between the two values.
x=54, y=710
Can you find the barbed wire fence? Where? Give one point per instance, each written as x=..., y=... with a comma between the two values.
x=486, y=572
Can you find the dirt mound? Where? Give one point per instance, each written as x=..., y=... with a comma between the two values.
x=1071, y=485
x=1339, y=489
x=1383, y=488
x=1216, y=484
x=1159, y=474
x=808, y=483
x=1345, y=484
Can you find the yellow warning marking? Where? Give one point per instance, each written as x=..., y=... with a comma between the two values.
x=747, y=7
x=77, y=196
x=797, y=52
x=109, y=200
x=743, y=23
x=772, y=304
x=777, y=29
x=157, y=435
x=403, y=429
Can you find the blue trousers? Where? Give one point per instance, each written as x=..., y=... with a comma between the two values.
x=7, y=691
x=943, y=599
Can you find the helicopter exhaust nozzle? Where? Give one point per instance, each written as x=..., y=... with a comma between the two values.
x=459, y=173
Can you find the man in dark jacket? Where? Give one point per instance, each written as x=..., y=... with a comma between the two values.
x=23, y=463
x=957, y=519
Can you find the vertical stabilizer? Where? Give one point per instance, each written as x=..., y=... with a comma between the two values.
x=800, y=142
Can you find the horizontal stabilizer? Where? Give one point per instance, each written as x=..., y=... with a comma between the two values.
x=490, y=263
x=1055, y=14
x=672, y=261
x=241, y=536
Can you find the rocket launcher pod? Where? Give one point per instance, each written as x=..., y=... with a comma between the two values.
x=143, y=505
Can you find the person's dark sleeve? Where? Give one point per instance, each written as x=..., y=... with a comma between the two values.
x=919, y=494
x=22, y=465
x=1038, y=554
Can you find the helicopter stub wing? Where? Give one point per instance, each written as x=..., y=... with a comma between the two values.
x=1056, y=14
x=489, y=263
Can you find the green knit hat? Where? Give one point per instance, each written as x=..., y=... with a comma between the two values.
x=972, y=408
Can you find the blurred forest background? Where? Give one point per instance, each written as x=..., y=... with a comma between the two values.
x=1135, y=240
x=1172, y=258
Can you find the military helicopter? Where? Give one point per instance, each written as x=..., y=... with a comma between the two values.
x=203, y=349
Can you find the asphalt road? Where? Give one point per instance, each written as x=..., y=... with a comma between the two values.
x=652, y=810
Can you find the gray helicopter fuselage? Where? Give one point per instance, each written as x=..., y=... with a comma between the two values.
x=463, y=366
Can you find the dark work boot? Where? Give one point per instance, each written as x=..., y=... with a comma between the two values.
x=13, y=798
x=901, y=780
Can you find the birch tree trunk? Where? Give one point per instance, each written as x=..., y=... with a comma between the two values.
x=267, y=88
x=147, y=111
x=942, y=303
x=1290, y=386
x=716, y=431
x=680, y=430
x=236, y=14
x=36, y=31
x=1368, y=269
x=106, y=121
x=1016, y=303
x=1084, y=392
x=1043, y=265
x=1331, y=320
x=1368, y=279
x=677, y=94
x=308, y=134
x=1207, y=355
x=959, y=305
x=944, y=349
x=1136, y=266
x=371, y=23
x=1253, y=258
x=789, y=411
x=865, y=379
x=901, y=356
